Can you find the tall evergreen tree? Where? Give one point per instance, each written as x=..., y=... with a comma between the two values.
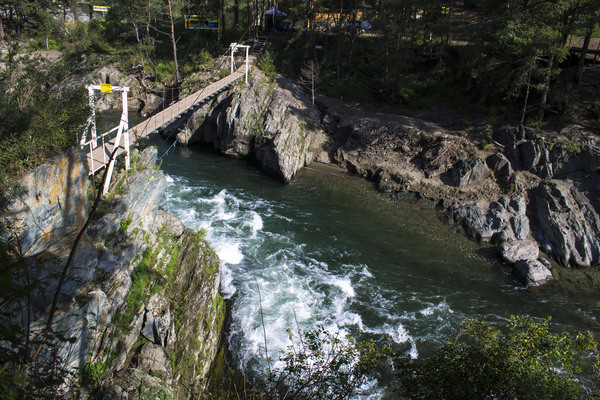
x=519, y=45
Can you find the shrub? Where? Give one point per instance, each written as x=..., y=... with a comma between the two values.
x=325, y=365
x=266, y=64
x=524, y=361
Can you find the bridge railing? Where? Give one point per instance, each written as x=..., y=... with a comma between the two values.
x=112, y=147
x=93, y=144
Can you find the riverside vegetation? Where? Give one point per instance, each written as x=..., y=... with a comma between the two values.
x=141, y=314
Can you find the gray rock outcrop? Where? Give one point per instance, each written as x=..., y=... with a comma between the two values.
x=271, y=122
x=536, y=186
x=569, y=221
x=472, y=173
x=495, y=222
x=138, y=272
x=54, y=207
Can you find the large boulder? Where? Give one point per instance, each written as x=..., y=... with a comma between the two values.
x=499, y=221
x=532, y=272
x=517, y=250
x=500, y=166
x=469, y=173
x=153, y=360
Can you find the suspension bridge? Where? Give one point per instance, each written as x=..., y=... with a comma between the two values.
x=100, y=148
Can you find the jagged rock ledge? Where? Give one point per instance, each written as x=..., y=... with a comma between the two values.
x=522, y=188
x=517, y=185
x=141, y=302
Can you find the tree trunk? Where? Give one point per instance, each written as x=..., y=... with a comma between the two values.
x=313, y=42
x=149, y=18
x=223, y=31
x=1, y=30
x=546, y=87
x=262, y=16
x=137, y=36
x=248, y=13
x=584, y=50
x=75, y=12
x=339, y=46
x=18, y=18
x=386, y=47
x=236, y=13
x=568, y=20
x=524, y=110
x=174, y=43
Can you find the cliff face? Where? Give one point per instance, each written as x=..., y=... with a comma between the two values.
x=140, y=310
x=271, y=122
x=50, y=216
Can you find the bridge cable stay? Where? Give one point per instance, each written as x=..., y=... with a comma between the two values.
x=200, y=91
x=126, y=132
x=212, y=76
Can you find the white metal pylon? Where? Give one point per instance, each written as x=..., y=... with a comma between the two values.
x=233, y=47
x=122, y=129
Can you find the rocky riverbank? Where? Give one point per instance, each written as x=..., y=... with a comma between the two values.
x=140, y=312
x=521, y=189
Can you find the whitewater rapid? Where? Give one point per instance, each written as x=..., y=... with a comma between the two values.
x=270, y=273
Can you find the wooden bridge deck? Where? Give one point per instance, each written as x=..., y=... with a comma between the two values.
x=100, y=156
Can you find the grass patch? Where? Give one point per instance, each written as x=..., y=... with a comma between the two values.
x=124, y=224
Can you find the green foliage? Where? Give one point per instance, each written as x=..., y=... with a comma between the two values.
x=154, y=272
x=573, y=146
x=141, y=279
x=324, y=365
x=266, y=64
x=486, y=137
x=124, y=224
x=164, y=70
x=203, y=58
x=524, y=361
x=172, y=264
x=513, y=46
x=594, y=114
x=86, y=39
x=258, y=128
x=200, y=235
x=217, y=311
x=35, y=123
x=93, y=373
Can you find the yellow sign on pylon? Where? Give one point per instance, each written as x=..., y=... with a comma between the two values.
x=105, y=88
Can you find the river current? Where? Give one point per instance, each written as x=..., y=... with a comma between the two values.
x=328, y=249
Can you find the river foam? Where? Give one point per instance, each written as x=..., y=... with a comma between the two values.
x=271, y=274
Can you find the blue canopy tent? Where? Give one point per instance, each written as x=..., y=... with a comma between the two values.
x=271, y=17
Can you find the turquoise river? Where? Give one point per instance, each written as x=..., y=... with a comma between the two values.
x=328, y=249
